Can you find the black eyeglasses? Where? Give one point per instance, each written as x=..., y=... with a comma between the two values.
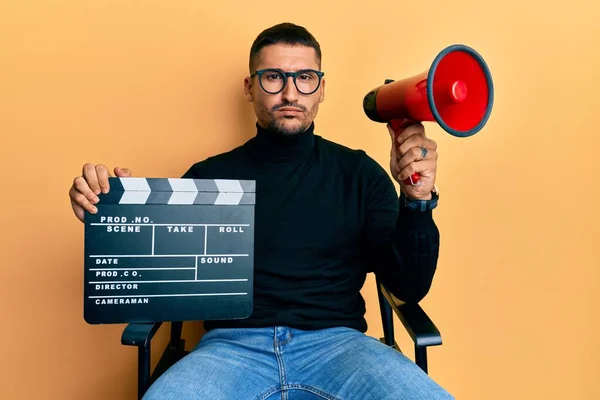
x=273, y=80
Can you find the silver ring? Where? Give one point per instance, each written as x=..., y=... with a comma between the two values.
x=423, y=153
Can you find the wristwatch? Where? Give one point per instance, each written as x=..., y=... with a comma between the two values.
x=420, y=205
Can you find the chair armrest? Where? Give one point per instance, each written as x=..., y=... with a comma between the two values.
x=139, y=334
x=419, y=326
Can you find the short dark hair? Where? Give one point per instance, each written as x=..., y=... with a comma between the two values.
x=286, y=33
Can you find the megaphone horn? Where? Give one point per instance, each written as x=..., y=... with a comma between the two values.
x=456, y=91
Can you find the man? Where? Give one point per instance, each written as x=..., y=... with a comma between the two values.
x=325, y=216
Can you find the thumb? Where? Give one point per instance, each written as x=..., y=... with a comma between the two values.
x=122, y=172
x=393, y=138
x=390, y=130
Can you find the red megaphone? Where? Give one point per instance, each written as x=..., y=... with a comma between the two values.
x=456, y=91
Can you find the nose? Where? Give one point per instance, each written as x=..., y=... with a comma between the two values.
x=290, y=93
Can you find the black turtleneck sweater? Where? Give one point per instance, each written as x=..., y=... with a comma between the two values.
x=325, y=216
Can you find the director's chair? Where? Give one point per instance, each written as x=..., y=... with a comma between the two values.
x=419, y=326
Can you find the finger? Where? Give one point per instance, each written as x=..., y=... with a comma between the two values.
x=416, y=141
x=423, y=168
x=103, y=175
x=122, y=172
x=414, y=129
x=89, y=174
x=78, y=199
x=81, y=187
x=416, y=154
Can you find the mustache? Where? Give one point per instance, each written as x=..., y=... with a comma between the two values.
x=294, y=105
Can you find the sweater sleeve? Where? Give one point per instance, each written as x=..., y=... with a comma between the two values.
x=191, y=173
x=402, y=245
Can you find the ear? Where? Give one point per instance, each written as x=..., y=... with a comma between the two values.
x=322, y=88
x=248, y=88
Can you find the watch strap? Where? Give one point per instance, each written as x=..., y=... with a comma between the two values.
x=420, y=205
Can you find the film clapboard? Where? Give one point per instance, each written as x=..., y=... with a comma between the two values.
x=170, y=249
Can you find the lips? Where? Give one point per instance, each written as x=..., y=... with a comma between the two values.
x=287, y=109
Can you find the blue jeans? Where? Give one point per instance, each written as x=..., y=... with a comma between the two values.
x=283, y=363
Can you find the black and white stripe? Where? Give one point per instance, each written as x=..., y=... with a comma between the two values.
x=179, y=191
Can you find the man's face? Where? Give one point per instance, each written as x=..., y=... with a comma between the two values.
x=288, y=112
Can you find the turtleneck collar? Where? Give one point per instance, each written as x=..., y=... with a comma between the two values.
x=271, y=146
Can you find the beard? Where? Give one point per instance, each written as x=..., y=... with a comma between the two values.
x=281, y=126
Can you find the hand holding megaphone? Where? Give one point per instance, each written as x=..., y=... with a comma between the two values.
x=456, y=91
x=413, y=154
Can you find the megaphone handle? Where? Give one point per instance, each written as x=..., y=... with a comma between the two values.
x=398, y=126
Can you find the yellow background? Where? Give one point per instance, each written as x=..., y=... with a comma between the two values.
x=155, y=86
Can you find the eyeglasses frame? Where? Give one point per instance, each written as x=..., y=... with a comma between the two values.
x=286, y=75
